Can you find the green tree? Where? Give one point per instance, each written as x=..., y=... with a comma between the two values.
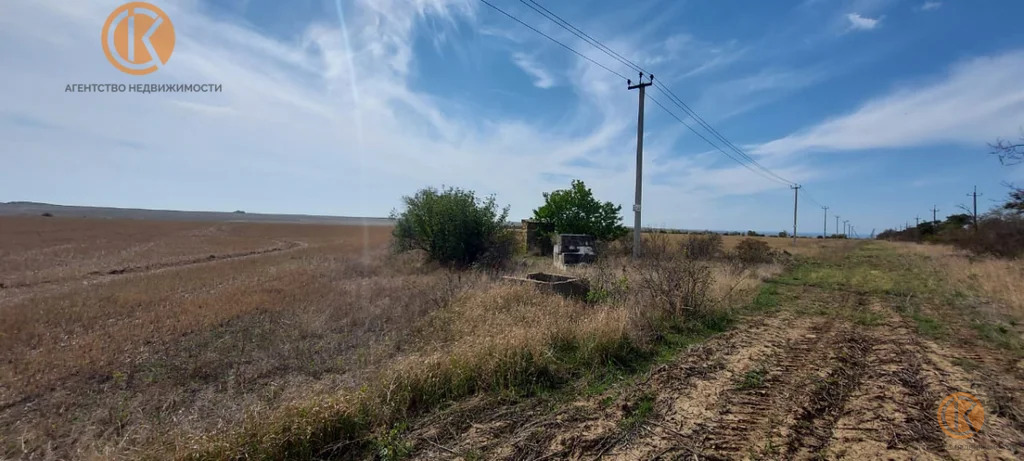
x=453, y=226
x=576, y=211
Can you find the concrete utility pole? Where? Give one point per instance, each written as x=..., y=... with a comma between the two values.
x=975, y=194
x=917, y=221
x=837, y=224
x=639, y=159
x=935, y=210
x=846, y=223
x=796, y=190
x=824, y=227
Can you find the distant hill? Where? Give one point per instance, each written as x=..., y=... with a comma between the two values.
x=38, y=209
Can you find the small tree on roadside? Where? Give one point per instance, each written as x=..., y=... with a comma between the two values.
x=576, y=211
x=452, y=226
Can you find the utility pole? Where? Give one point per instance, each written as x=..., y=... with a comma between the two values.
x=824, y=227
x=846, y=223
x=935, y=210
x=796, y=190
x=917, y=221
x=837, y=224
x=639, y=159
x=975, y=194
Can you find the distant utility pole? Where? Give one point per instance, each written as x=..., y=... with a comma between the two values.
x=917, y=221
x=846, y=223
x=837, y=224
x=935, y=210
x=824, y=227
x=639, y=159
x=796, y=191
x=975, y=194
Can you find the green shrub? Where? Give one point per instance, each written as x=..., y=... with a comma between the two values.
x=453, y=227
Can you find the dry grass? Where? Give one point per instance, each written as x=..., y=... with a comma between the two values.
x=803, y=247
x=285, y=352
x=109, y=363
x=997, y=279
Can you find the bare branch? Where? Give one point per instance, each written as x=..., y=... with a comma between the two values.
x=1009, y=153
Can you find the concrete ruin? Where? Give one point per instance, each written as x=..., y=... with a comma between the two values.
x=573, y=249
x=534, y=237
x=568, y=286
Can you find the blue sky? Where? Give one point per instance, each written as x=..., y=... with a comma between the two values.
x=881, y=108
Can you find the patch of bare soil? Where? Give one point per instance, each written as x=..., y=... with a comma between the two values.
x=785, y=387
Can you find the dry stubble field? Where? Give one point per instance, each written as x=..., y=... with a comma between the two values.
x=115, y=332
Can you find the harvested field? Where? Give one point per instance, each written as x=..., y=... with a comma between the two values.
x=119, y=330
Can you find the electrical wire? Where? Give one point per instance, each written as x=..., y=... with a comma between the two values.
x=738, y=154
x=485, y=2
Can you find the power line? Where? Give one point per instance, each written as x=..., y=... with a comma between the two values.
x=719, y=149
x=581, y=34
x=558, y=20
x=692, y=113
x=485, y=2
x=738, y=155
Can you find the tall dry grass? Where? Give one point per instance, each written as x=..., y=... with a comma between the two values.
x=303, y=353
x=1001, y=280
x=496, y=336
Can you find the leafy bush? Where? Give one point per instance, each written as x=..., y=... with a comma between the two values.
x=703, y=247
x=453, y=227
x=753, y=251
x=576, y=211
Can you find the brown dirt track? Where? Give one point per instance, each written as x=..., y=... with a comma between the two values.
x=835, y=371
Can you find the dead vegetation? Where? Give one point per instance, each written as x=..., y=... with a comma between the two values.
x=138, y=342
x=804, y=377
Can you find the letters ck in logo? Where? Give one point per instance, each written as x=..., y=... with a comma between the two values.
x=138, y=38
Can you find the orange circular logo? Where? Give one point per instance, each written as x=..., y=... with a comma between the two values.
x=961, y=415
x=138, y=38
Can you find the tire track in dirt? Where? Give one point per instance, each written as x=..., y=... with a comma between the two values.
x=698, y=387
x=15, y=292
x=889, y=414
x=736, y=417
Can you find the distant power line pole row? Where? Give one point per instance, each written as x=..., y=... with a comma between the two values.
x=639, y=159
x=824, y=220
x=796, y=192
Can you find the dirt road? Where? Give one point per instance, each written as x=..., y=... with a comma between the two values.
x=848, y=359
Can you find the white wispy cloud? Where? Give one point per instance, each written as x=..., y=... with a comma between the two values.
x=976, y=102
x=541, y=77
x=928, y=6
x=330, y=121
x=858, y=22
